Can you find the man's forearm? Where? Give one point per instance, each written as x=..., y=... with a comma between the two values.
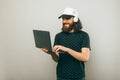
x=84, y=56
x=54, y=56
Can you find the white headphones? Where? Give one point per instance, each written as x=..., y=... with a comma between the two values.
x=75, y=16
x=75, y=19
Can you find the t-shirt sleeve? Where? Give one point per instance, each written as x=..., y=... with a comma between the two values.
x=86, y=41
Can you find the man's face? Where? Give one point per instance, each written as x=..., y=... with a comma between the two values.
x=67, y=24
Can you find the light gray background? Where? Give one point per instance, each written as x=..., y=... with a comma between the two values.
x=20, y=60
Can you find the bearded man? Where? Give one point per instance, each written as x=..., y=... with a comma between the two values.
x=71, y=47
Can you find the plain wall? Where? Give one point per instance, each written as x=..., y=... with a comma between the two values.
x=21, y=60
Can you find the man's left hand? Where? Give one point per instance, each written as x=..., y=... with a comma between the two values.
x=58, y=48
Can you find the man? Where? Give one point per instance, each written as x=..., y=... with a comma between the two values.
x=71, y=47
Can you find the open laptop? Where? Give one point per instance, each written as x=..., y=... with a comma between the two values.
x=42, y=39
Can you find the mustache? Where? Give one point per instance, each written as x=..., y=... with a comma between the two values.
x=65, y=23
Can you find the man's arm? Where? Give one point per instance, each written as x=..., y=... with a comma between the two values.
x=81, y=56
x=54, y=55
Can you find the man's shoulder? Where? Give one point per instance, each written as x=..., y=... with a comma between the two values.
x=83, y=32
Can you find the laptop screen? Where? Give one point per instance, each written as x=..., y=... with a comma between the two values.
x=42, y=39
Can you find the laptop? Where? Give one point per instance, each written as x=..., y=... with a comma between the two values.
x=42, y=39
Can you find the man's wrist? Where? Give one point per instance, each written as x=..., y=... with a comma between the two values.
x=68, y=50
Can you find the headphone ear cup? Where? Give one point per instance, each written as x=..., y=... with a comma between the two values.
x=75, y=19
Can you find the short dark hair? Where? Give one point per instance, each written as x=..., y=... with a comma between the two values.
x=77, y=25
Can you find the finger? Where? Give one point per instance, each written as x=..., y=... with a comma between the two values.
x=44, y=49
x=41, y=49
x=57, y=49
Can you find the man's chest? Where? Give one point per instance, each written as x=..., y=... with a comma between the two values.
x=71, y=41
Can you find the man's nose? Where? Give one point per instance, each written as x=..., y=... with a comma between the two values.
x=64, y=20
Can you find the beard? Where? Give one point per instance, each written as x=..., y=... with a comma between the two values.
x=67, y=27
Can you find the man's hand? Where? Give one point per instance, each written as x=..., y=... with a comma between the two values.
x=54, y=55
x=44, y=50
x=58, y=48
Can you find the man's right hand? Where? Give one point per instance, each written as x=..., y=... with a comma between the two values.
x=54, y=55
x=44, y=50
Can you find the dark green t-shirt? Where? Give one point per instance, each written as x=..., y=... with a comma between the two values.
x=68, y=66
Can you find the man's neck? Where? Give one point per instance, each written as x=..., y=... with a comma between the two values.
x=71, y=31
